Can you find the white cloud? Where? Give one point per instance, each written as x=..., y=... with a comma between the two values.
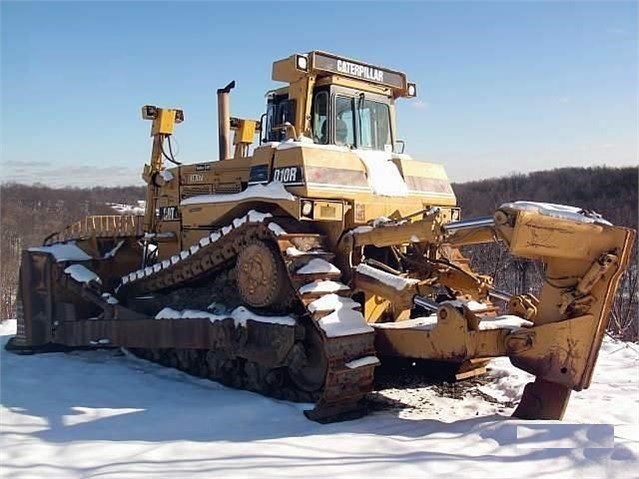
x=59, y=175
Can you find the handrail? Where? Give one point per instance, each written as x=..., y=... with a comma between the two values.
x=100, y=226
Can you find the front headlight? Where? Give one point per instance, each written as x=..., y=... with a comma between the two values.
x=307, y=208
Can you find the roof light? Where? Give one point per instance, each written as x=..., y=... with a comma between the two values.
x=301, y=63
x=149, y=112
x=411, y=90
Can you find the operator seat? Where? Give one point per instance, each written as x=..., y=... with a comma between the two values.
x=341, y=131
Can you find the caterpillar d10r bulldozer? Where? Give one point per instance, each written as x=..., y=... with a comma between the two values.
x=295, y=269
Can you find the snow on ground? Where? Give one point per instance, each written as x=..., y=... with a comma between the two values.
x=105, y=414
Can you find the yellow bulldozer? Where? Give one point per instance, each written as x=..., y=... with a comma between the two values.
x=297, y=262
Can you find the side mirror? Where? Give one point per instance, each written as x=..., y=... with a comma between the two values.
x=399, y=147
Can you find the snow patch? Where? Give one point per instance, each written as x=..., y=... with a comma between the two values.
x=124, y=209
x=165, y=234
x=384, y=177
x=290, y=143
x=240, y=316
x=473, y=305
x=344, y=322
x=274, y=190
x=361, y=362
x=276, y=229
x=112, y=253
x=361, y=229
x=425, y=323
x=558, y=211
x=381, y=221
x=318, y=266
x=292, y=251
x=166, y=175
x=322, y=286
x=218, y=308
x=332, y=302
x=64, y=252
x=237, y=222
x=507, y=321
x=389, y=279
x=81, y=274
x=476, y=306
x=109, y=298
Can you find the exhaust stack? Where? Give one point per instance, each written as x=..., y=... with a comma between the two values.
x=224, y=120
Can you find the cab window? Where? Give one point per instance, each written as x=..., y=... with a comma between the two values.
x=320, y=118
x=374, y=125
x=344, y=121
x=280, y=111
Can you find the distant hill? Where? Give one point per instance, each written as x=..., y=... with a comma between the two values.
x=612, y=192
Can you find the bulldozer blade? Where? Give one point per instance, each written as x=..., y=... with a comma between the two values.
x=543, y=399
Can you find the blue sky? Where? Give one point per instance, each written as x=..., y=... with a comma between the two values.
x=504, y=86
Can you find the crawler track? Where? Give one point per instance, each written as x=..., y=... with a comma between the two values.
x=319, y=366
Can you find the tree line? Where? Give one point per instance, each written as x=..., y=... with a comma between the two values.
x=28, y=213
x=611, y=192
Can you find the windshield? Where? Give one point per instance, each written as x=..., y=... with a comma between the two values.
x=362, y=123
x=374, y=127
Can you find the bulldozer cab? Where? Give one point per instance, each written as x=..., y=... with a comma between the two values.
x=335, y=101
